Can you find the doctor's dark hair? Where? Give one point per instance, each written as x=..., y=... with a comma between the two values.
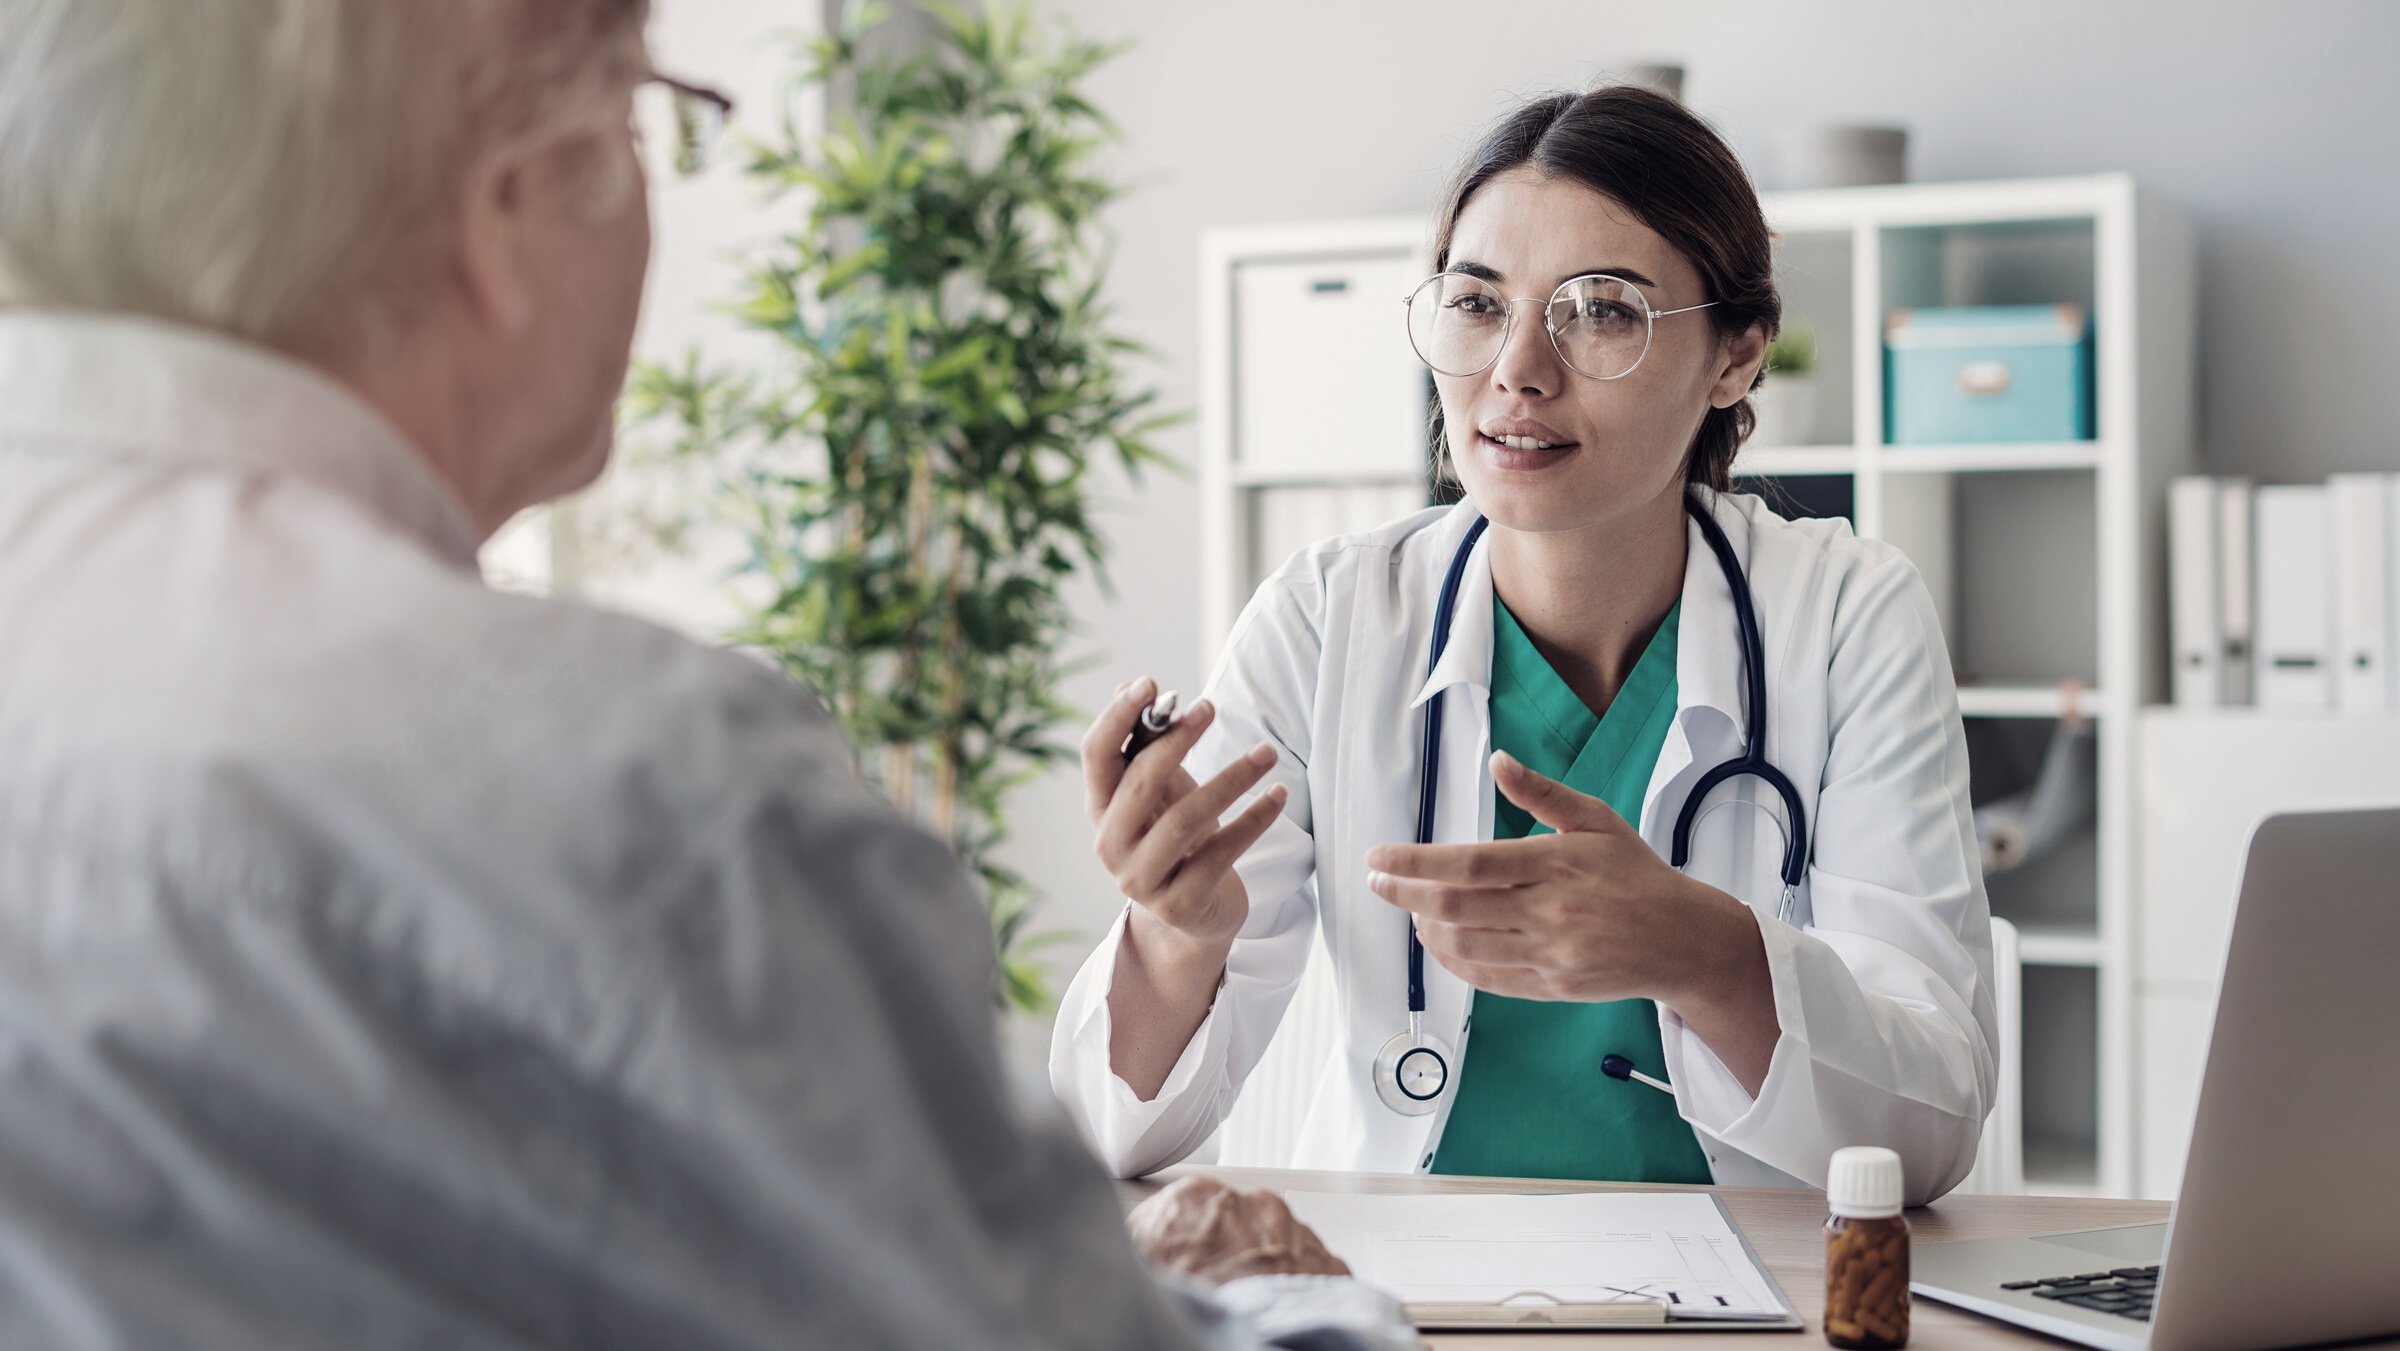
x=1651, y=155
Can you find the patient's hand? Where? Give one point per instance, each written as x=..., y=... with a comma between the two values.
x=1207, y=1230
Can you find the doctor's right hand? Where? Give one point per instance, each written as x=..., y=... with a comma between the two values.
x=1157, y=830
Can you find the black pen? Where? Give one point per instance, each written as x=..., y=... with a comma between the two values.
x=1152, y=725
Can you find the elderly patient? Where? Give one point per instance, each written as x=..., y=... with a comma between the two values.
x=385, y=962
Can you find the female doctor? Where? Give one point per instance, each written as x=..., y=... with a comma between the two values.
x=1488, y=734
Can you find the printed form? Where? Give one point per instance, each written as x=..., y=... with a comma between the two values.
x=1676, y=1248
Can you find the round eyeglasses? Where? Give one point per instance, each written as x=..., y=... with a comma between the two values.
x=1600, y=325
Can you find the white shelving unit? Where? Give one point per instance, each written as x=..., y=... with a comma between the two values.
x=2046, y=560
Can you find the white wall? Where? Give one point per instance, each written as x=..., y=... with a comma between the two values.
x=604, y=545
x=2273, y=124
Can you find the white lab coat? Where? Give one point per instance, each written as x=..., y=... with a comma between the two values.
x=1882, y=980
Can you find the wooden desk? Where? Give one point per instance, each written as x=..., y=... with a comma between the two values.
x=1787, y=1229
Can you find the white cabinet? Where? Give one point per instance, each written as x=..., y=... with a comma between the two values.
x=2171, y=1025
x=1324, y=382
x=2207, y=777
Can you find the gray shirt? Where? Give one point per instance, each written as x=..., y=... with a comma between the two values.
x=387, y=962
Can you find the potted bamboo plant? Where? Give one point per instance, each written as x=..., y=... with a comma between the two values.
x=914, y=474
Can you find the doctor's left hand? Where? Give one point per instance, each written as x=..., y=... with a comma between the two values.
x=1588, y=914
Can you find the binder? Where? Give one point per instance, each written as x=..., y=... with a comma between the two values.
x=2362, y=514
x=2236, y=587
x=2294, y=599
x=2391, y=592
x=2195, y=611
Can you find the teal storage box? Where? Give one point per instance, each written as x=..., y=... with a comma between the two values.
x=1988, y=373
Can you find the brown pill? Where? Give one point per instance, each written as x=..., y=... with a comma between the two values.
x=1882, y=1288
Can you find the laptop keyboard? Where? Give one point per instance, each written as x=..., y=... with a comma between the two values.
x=2126, y=1291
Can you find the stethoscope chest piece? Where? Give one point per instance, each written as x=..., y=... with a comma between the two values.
x=1411, y=1071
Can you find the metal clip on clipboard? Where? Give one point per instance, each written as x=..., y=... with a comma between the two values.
x=1542, y=1310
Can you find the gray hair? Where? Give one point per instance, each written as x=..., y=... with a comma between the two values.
x=287, y=171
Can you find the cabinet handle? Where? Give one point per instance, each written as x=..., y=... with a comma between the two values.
x=1983, y=378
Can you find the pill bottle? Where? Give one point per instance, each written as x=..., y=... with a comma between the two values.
x=1866, y=1252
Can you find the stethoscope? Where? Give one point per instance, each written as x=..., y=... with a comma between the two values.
x=1412, y=1069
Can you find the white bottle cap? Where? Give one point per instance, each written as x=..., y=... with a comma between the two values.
x=1864, y=1183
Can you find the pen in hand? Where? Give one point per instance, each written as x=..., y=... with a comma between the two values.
x=1152, y=725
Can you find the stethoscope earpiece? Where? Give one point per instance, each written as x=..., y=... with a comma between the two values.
x=1619, y=1067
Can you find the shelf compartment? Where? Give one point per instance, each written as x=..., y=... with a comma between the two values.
x=2053, y=261
x=2054, y=894
x=1815, y=272
x=1804, y=496
x=2062, y=1165
x=2054, y=890
x=2017, y=262
x=2061, y=1030
x=2018, y=607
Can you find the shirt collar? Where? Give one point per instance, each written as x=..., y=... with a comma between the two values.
x=1467, y=658
x=115, y=385
x=1708, y=656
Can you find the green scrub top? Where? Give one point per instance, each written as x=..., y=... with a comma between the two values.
x=1532, y=1101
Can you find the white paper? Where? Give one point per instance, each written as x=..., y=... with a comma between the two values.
x=1577, y=1248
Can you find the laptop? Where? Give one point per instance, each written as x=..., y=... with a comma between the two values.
x=2287, y=1227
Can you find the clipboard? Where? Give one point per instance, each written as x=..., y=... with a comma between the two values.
x=1641, y=1310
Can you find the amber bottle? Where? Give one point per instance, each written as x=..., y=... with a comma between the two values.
x=1866, y=1252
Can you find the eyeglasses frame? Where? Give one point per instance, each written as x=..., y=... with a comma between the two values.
x=689, y=159
x=1508, y=323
